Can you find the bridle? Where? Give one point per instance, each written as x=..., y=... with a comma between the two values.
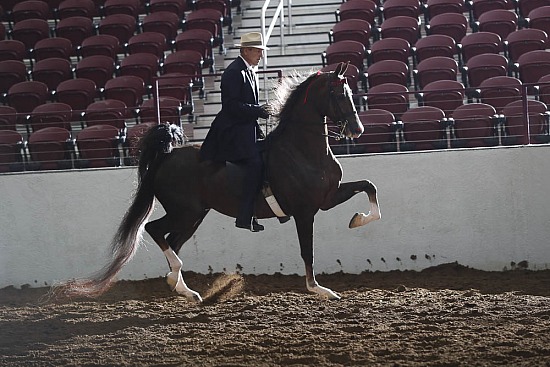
x=342, y=120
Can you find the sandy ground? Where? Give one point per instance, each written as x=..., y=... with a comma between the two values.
x=448, y=315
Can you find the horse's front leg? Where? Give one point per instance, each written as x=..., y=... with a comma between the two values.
x=304, y=226
x=346, y=191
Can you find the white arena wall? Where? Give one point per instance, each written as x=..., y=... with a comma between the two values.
x=484, y=208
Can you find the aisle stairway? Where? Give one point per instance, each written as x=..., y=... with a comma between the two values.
x=311, y=22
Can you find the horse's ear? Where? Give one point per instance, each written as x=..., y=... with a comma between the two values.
x=344, y=68
x=341, y=69
x=338, y=69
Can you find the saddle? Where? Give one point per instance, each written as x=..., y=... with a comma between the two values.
x=235, y=174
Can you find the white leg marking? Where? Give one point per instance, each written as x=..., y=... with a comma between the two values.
x=360, y=219
x=175, y=279
x=322, y=291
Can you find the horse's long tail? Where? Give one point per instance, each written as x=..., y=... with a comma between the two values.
x=154, y=146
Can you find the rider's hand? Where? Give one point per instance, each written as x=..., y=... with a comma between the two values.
x=265, y=111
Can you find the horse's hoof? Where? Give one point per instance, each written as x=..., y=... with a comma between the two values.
x=172, y=280
x=357, y=220
x=325, y=292
x=360, y=219
x=194, y=297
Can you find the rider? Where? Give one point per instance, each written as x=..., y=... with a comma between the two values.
x=235, y=130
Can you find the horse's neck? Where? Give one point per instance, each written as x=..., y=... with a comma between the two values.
x=307, y=137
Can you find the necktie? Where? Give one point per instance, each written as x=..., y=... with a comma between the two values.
x=252, y=79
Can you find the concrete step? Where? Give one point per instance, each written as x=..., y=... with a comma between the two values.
x=311, y=22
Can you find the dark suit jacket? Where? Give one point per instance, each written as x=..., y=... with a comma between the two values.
x=234, y=131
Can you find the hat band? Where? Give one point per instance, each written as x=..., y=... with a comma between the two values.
x=252, y=43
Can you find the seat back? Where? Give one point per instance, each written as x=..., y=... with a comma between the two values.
x=379, y=134
x=178, y=86
x=78, y=93
x=539, y=18
x=11, y=73
x=98, y=68
x=76, y=8
x=12, y=50
x=121, y=26
x=170, y=110
x=388, y=71
x=129, y=89
x=525, y=40
x=142, y=65
x=390, y=49
x=8, y=118
x=499, y=21
x=446, y=95
x=436, y=7
x=107, y=112
x=76, y=29
x=403, y=27
x=435, y=68
x=30, y=9
x=52, y=71
x=344, y=51
x=479, y=7
x=50, y=149
x=357, y=9
x=423, y=128
x=163, y=22
x=451, y=24
x=128, y=7
x=177, y=7
x=498, y=91
x=30, y=31
x=351, y=29
x=25, y=96
x=51, y=115
x=53, y=47
x=11, y=153
x=390, y=97
x=474, y=125
x=484, y=66
x=519, y=120
x=148, y=42
x=435, y=45
x=100, y=44
x=406, y=8
x=533, y=65
x=480, y=43
x=98, y=146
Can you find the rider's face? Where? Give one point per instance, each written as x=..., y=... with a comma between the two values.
x=253, y=55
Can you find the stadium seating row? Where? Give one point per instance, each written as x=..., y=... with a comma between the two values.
x=54, y=147
x=464, y=66
x=427, y=127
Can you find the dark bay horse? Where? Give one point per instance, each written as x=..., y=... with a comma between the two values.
x=303, y=174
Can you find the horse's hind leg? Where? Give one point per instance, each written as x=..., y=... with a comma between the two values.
x=346, y=191
x=170, y=246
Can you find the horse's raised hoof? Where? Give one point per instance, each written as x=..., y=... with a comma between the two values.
x=360, y=219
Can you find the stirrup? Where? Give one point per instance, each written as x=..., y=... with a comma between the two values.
x=284, y=219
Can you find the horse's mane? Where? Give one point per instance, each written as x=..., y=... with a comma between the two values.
x=287, y=94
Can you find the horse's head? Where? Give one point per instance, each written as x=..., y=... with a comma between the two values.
x=341, y=109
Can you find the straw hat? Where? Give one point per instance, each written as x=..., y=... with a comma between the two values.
x=252, y=39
